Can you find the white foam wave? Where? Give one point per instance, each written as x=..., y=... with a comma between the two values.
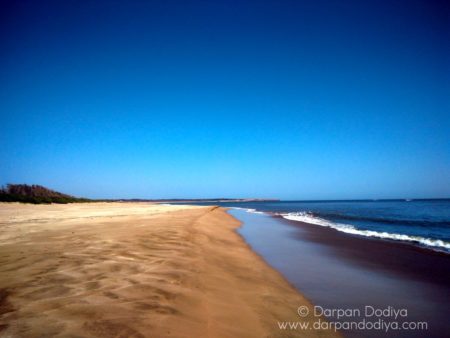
x=349, y=229
x=249, y=210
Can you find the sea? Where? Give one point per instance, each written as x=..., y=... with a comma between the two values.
x=425, y=223
x=347, y=255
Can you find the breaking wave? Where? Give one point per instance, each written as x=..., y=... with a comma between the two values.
x=350, y=229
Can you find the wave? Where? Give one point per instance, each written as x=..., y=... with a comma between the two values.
x=396, y=221
x=250, y=210
x=349, y=229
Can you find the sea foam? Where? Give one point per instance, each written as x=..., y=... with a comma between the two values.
x=249, y=210
x=349, y=229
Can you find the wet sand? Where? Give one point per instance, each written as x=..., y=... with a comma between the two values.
x=337, y=270
x=137, y=270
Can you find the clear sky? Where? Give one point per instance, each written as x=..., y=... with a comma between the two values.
x=285, y=99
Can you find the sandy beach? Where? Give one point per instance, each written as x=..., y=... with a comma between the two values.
x=137, y=270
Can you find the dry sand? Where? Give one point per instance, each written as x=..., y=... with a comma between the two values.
x=137, y=270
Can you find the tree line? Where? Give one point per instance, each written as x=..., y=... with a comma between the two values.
x=35, y=194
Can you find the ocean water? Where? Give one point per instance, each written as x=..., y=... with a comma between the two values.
x=336, y=270
x=424, y=223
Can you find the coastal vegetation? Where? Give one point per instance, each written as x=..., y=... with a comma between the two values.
x=35, y=194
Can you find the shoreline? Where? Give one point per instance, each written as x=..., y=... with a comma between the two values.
x=412, y=261
x=419, y=246
x=339, y=271
x=435, y=244
x=138, y=270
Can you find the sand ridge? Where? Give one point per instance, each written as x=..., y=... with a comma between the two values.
x=136, y=270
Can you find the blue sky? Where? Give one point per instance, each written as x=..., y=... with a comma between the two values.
x=283, y=99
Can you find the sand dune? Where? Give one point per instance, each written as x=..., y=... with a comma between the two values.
x=136, y=270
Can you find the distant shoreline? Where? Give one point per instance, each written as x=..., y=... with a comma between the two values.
x=197, y=200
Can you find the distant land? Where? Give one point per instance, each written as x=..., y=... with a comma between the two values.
x=38, y=194
x=206, y=200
